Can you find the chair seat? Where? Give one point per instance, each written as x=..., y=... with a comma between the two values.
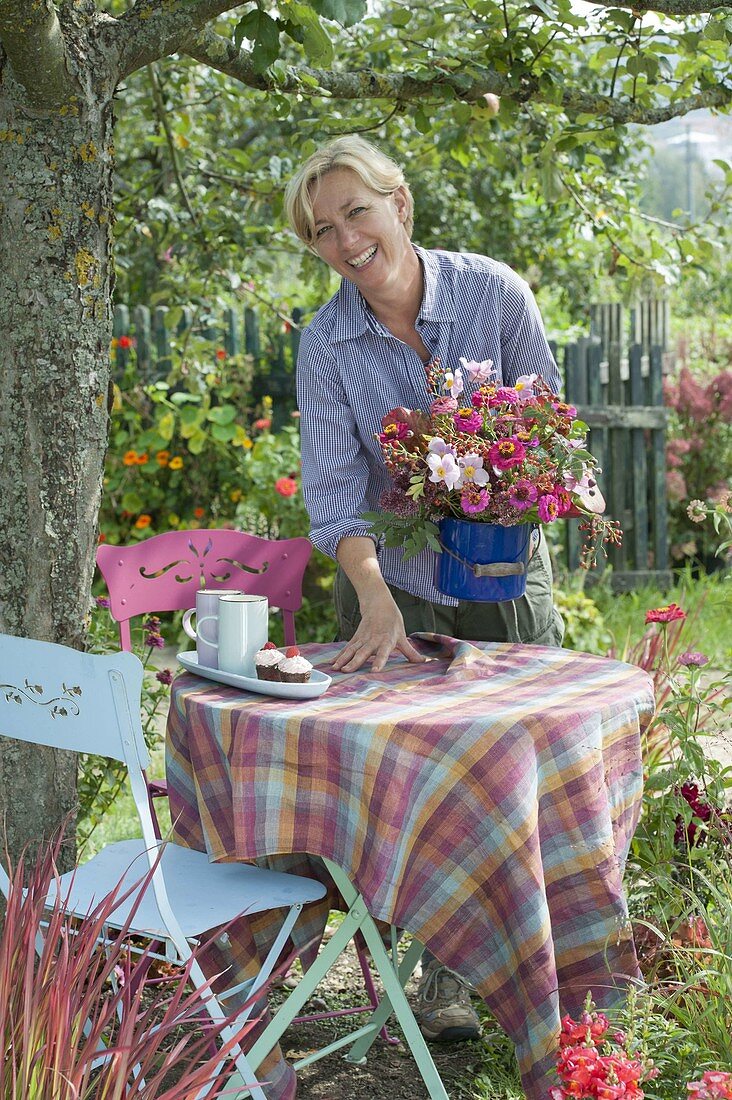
x=203, y=895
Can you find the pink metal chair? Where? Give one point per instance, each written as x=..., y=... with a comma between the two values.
x=164, y=572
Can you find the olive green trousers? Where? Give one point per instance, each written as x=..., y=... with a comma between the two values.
x=532, y=619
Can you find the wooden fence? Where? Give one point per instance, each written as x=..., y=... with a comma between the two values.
x=613, y=376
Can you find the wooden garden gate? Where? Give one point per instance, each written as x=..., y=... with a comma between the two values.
x=614, y=377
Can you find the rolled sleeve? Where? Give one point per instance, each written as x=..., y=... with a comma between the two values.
x=334, y=467
x=524, y=344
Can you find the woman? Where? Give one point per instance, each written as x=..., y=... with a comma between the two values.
x=364, y=354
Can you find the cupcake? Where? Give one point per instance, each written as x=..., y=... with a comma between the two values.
x=294, y=668
x=267, y=662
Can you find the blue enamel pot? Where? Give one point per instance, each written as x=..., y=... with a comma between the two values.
x=482, y=561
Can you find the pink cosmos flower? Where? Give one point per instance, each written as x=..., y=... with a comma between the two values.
x=548, y=508
x=506, y=453
x=442, y=406
x=468, y=420
x=479, y=372
x=522, y=494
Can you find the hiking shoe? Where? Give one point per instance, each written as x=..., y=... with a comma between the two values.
x=443, y=1005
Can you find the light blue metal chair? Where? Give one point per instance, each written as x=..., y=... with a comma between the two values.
x=55, y=696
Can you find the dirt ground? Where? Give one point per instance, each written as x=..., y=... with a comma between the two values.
x=390, y=1072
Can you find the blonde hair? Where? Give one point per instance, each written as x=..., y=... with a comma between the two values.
x=375, y=170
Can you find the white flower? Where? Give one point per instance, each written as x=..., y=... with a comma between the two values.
x=437, y=446
x=454, y=382
x=524, y=384
x=471, y=469
x=444, y=468
x=479, y=372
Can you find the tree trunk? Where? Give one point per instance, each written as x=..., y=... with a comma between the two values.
x=55, y=290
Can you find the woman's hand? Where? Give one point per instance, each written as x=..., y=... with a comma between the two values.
x=380, y=633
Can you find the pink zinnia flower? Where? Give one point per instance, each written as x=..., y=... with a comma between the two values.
x=668, y=614
x=506, y=453
x=165, y=676
x=394, y=432
x=443, y=406
x=473, y=499
x=505, y=395
x=549, y=508
x=693, y=659
x=522, y=494
x=468, y=420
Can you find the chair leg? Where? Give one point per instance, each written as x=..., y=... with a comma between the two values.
x=394, y=997
x=359, y=1050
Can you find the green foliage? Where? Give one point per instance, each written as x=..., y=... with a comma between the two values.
x=584, y=624
x=100, y=780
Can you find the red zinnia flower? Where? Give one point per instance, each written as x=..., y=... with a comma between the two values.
x=285, y=486
x=666, y=614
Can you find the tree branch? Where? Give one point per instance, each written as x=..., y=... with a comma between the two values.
x=212, y=49
x=677, y=8
x=32, y=38
x=149, y=31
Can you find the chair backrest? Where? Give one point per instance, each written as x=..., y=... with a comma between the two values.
x=84, y=703
x=163, y=573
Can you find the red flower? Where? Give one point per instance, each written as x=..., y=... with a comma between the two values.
x=199, y=513
x=666, y=614
x=125, y=342
x=286, y=486
x=262, y=424
x=221, y=353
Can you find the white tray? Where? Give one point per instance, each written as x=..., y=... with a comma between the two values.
x=317, y=684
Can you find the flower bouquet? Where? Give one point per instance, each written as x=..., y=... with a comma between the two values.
x=497, y=466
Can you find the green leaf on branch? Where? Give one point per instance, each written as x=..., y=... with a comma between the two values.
x=262, y=30
x=346, y=12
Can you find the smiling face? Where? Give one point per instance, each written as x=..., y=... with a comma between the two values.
x=360, y=233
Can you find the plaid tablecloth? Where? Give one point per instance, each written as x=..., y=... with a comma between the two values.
x=484, y=801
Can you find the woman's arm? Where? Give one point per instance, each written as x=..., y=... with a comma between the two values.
x=381, y=630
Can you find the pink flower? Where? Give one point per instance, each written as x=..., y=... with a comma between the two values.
x=102, y=601
x=524, y=385
x=505, y=395
x=693, y=658
x=714, y=1085
x=522, y=494
x=506, y=453
x=549, y=508
x=442, y=406
x=473, y=499
x=675, y=485
x=694, y=400
x=165, y=676
x=668, y=614
x=479, y=372
x=394, y=432
x=468, y=420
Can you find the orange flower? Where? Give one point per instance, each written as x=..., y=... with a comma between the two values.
x=199, y=513
x=162, y=458
x=130, y=458
x=142, y=522
x=142, y=459
x=221, y=354
x=176, y=463
x=262, y=424
x=101, y=537
x=285, y=486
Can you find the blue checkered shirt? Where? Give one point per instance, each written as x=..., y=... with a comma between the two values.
x=351, y=371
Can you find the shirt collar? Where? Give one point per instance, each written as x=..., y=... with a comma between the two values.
x=354, y=318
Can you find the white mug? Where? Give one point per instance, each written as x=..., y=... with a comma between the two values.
x=243, y=630
x=207, y=605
